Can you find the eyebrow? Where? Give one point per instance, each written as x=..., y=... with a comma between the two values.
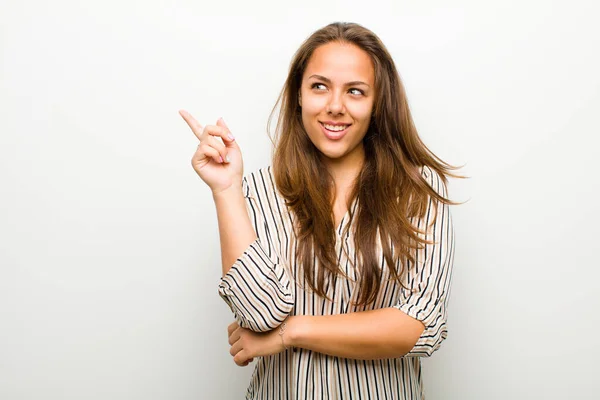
x=353, y=83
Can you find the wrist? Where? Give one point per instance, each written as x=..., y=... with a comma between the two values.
x=232, y=192
x=296, y=330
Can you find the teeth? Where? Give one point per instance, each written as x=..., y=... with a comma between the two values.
x=336, y=128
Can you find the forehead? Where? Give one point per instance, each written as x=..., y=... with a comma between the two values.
x=341, y=62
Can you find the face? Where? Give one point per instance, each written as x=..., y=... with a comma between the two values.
x=336, y=98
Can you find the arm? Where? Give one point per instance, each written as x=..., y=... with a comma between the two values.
x=414, y=326
x=256, y=287
x=219, y=164
x=254, y=283
x=429, y=280
x=365, y=335
x=235, y=230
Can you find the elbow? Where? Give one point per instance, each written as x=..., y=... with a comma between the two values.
x=265, y=321
x=428, y=343
x=260, y=305
x=268, y=313
x=258, y=314
x=411, y=338
x=423, y=338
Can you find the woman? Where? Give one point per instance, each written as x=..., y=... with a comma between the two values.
x=336, y=259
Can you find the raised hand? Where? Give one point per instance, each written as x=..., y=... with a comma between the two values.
x=218, y=159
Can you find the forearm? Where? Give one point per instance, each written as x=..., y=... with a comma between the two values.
x=375, y=334
x=235, y=229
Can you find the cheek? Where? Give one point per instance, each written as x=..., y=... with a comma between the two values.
x=312, y=105
x=360, y=112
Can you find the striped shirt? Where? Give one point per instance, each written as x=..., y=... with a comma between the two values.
x=262, y=288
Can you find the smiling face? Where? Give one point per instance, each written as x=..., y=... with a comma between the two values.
x=337, y=96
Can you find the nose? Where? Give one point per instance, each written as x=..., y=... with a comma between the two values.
x=336, y=103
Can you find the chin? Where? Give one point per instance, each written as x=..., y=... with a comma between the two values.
x=332, y=153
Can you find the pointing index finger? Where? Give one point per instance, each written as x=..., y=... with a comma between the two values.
x=192, y=123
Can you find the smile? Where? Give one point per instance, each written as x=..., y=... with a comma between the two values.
x=334, y=132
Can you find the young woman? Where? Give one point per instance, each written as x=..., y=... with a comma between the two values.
x=337, y=259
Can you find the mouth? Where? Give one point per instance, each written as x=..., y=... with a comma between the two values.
x=334, y=132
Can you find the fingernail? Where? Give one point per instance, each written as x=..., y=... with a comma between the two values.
x=221, y=158
x=228, y=159
x=230, y=137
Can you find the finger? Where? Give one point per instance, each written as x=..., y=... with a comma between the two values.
x=192, y=123
x=220, y=147
x=234, y=336
x=222, y=132
x=208, y=151
x=236, y=348
x=241, y=358
x=230, y=142
x=247, y=362
x=232, y=327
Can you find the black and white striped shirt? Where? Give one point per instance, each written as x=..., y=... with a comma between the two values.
x=262, y=288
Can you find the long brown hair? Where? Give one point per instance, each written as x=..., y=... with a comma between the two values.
x=389, y=190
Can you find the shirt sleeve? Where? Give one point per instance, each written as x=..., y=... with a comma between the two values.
x=428, y=281
x=257, y=286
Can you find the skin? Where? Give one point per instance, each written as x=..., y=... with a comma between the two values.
x=338, y=85
x=325, y=95
x=330, y=92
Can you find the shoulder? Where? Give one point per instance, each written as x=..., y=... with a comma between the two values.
x=259, y=182
x=434, y=180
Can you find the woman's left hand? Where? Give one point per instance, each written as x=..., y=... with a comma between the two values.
x=247, y=344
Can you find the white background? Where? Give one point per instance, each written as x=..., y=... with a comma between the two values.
x=109, y=257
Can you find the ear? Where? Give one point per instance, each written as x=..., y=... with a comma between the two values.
x=299, y=100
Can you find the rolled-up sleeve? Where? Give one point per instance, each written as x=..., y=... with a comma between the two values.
x=428, y=280
x=257, y=286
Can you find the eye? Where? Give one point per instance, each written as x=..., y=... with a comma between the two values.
x=314, y=85
x=357, y=91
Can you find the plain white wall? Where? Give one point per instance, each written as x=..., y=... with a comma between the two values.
x=109, y=258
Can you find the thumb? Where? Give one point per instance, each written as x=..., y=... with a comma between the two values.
x=230, y=141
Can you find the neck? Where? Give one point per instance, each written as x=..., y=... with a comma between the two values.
x=345, y=170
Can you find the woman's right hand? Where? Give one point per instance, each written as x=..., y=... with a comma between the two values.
x=219, y=164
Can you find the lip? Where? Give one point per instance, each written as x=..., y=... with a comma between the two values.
x=335, y=123
x=334, y=135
